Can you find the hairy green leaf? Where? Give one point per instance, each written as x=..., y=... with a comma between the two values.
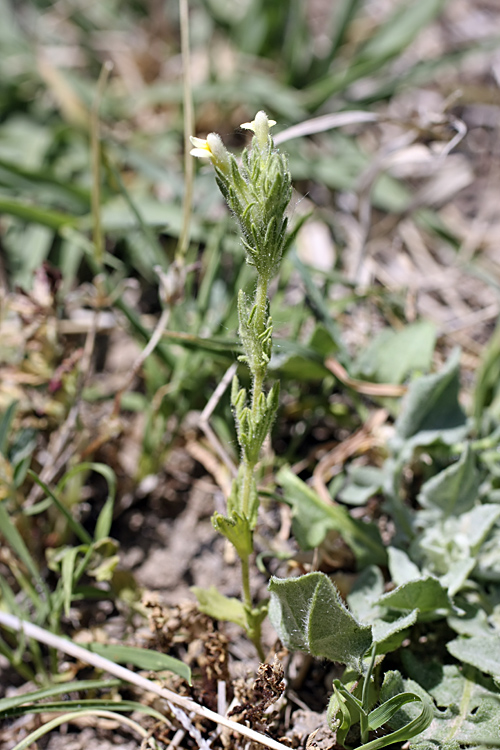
x=482, y=652
x=454, y=490
x=237, y=530
x=309, y=615
x=431, y=410
x=425, y=594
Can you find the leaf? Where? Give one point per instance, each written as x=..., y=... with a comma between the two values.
x=411, y=729
x=214, y=604
x=67, y=575
x=142, y=658
x=482, y=652
x=363, y=483
x=73, y=524
x=367, y=589
x=472, y=621
x=471, y=715
x=309, y=615
x=488, y=377
x=338, y=714
x=389, y=630
x=17, y=544
x=312, y=519
x=454, y=490
x=431, y=410
x=14, y=701
x=401, y=568
x=388, y=41
x=400, y=29
x=103, y=525
x=237, y=530
x=384, y=713
x=5, y=425
x=28, y=212
x=319, y=306
x=426, y=594
x=394, y=355
x=389, y=635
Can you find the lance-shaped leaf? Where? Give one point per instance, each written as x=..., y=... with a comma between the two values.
x=262, y=422
x=312, y=519
x=237, y=530
x=214, y=604
x=238, y=506
x=309, y=615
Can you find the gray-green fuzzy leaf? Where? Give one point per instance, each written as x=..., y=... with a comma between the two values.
x=309, y=615
x=482, y=652
x=426, y=594
x=431, y=410
x=454, y=490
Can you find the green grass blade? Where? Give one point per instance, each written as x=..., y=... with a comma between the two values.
x=146, y=230
x=103, y=525
x=142, y=657
x=74, y=525
x=318, y=304
x=384, y=713
x=343, y=15
x=397, y=33
x=68, y=576
x=5, y=424
x=390, y=40
x=412, y=729
x=66, y=718
x=85, y=703
x=15, y=701
x=16, y=542
x=44, y=216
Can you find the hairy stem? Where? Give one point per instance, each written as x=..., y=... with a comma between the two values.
x=258, y=376
x=260, y=303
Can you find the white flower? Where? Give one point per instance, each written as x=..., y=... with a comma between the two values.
x=211, y=148
x=260, y=126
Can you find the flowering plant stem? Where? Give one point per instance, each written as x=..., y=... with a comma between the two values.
x=258, y=192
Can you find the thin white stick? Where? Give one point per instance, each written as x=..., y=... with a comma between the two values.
x=70, y=648
x=324, y=122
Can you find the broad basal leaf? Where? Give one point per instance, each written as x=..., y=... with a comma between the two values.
x=468, y=713
x=425, y=594
x=367, y=589
x=482, y=652
x=431, y=410
x=389, y=635
x=309, y=615
x=454, y=490
x=401, y=568
x=393, y=355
